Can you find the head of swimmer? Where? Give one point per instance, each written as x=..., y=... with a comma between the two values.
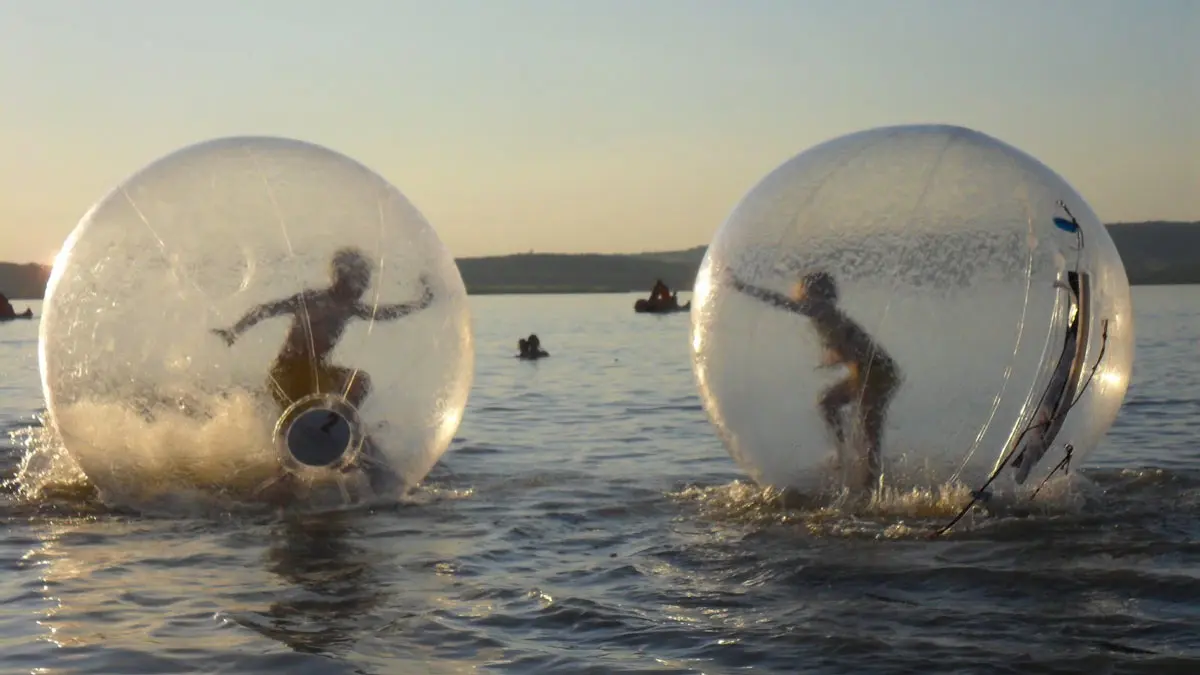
x=816, y=289
x=350, y=272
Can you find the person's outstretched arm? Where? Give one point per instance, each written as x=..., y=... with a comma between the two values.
x=266, y=310
x=397, y=311
x=768, y=296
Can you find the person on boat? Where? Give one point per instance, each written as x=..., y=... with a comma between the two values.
x=873, y=376
x=660, y=293
x=318, y=319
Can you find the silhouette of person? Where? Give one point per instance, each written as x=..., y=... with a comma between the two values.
x=319, y=317
x=531, y=347
x=873, y=376
x=660, y=292
x=535, y=344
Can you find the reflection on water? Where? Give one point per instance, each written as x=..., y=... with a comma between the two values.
x=323, y=589
x=100, y=575
x=331, y=581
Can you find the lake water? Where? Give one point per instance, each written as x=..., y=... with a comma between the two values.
x=588, y=520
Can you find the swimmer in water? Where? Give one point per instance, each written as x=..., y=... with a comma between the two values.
x=319, y=317
x=531, y=347
x=873, y=375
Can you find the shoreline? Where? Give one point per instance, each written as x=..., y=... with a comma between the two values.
x=1154, y=253
x=615, y=291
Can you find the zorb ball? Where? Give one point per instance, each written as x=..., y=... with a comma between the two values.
x=252, y=317
x=919, y=304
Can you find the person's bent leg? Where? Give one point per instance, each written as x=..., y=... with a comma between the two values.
x=354, y=384
x=831, y=404
x=290, y=380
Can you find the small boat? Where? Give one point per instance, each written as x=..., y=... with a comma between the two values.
x=644, y=306
x=661, y=301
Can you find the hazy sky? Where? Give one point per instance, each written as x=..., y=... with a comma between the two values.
x=588, y=125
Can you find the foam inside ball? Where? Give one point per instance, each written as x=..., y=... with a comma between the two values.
x=148, y=395
x=943, y=247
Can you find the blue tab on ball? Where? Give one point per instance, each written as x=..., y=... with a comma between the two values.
x=1066, y=225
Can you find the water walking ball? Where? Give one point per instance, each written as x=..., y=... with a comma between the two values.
x=920, y=304
x=255, y=315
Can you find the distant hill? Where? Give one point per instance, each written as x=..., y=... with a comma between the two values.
x=580, y=273
x=1154, y=252
x=1158, y=252
x=23, y=282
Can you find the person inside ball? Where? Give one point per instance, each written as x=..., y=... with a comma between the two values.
x=319, y=317
x=873, y=376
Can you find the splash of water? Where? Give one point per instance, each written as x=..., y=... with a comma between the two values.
x=905, y=506
x=215, y=452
